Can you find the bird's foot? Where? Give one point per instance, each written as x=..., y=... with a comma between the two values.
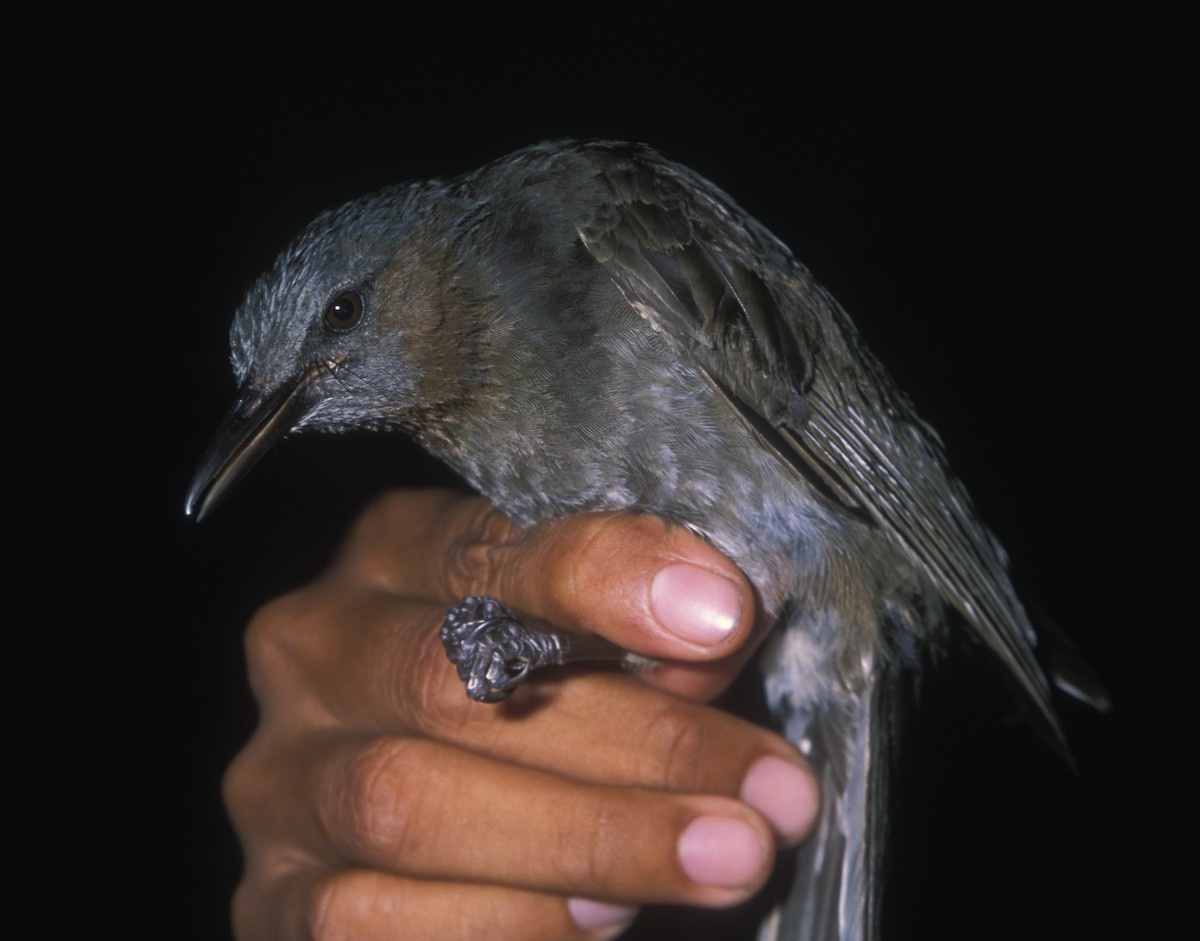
x=494, y=651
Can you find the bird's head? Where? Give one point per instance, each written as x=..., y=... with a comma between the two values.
x=323, y=339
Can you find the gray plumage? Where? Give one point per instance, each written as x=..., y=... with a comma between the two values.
x=588, y=326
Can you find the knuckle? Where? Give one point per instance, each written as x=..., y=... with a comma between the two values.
x=274, y=616
x=584, y=561
x=287, y=642
x=250, y=799
x=675, y=743
x=474, y=559
x=575, y=547
x=424, y=691
x=376, y=799
x=367, y=554
x=439, y=709
x=238, y=789
x=268, y=639
x=264, y=897
x=594, y=864
x=327, y=911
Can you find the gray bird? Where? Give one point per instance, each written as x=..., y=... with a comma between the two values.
x=589, y=326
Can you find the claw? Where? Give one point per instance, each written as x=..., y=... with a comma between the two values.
x=494, y=651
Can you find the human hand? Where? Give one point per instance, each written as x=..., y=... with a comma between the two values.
x=375, y=799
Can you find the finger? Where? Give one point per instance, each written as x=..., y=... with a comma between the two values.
x=649, y=587
x=391, y=675
x=315, y=905
x=396, y=805
x=610, y=730
x=635, y=578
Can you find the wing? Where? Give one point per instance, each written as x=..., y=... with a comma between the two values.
x=733, y=299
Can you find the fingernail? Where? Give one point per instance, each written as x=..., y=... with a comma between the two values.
x=695, y=604
x=592, y=916
x=783, y=793
x=721, y=851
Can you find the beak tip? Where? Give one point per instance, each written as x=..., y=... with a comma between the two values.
x=249, y=429
x=194, y=506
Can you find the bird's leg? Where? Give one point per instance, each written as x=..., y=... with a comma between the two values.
x=494, y=652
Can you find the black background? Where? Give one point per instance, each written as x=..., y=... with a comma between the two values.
x=999, y=193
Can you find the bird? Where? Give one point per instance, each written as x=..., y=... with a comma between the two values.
x=586, y=326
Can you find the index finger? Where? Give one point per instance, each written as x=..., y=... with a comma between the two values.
x=647, y=585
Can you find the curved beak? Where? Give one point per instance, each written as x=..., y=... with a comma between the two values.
x=247, y=433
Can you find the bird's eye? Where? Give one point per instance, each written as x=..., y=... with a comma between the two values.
x=344, y=311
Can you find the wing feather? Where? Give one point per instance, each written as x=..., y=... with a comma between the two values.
x=735, y=301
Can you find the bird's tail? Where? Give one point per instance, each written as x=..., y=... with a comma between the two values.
x=834, y=894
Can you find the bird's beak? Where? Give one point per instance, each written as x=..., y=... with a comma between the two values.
x=254, y=424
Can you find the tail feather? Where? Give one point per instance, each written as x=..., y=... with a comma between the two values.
x=834, y=894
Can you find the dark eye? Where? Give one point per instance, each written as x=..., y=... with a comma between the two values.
x=344, y=311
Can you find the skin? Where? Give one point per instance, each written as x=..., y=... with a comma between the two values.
x=590, y=793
